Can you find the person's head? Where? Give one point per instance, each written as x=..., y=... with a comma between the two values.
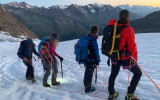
x=94, y=31
x=123, y=17
x=54, y=39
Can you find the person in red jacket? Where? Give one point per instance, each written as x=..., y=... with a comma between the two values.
x=128, y=49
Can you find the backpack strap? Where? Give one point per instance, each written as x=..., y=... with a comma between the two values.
x=48, y=45
x=114, y=36
x=115, y=27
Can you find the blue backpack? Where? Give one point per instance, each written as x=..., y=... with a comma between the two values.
x=41, y=43
x=81, y=50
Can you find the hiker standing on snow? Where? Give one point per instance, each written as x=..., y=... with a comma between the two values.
x=125, y=40
x=27, y=47
x=49, y=60
x=93, y=58
x=87, y=53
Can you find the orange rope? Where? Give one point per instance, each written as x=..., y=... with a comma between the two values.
x=128, y=76
x=105, y=83
x=146, y=74
x=59, y=84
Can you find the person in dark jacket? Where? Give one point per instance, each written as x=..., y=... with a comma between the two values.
x=27, y=47
x=128, y=50
x=93, y=59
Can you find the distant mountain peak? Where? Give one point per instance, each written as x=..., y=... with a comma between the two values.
x=141, y=10
x=59, y=6
x=20, y=4
x=98, y=4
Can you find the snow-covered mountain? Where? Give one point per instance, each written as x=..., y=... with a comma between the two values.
x=66, y=6
x=59, y=6
x=13, y=85
x=20, y=4
x=141, y=10
x=72, y=21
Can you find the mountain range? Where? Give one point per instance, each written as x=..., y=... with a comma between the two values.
x=141, y=10
x=9, y=23
x=73, y=21
x=150, y=23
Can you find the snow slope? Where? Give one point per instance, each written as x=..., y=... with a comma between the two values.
x=13, y=85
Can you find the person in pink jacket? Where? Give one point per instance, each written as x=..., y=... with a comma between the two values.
x=49, y=60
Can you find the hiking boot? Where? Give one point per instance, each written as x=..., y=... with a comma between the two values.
x=33, y=80
x=46, y=85
x=28, y=78
x=56, y=83
x=114, y=96
x=92, y=90
x=131, y=97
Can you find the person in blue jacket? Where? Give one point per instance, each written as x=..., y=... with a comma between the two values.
x=26, y=49
x=93, y=59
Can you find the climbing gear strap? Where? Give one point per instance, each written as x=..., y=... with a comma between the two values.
x=114, y=37
x=113, y=43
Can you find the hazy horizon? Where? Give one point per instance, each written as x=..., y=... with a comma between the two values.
x=47, y=3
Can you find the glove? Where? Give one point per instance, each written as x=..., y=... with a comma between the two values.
x=39, y=57
x=25, y=60
x=97, y=63
x=61, y=59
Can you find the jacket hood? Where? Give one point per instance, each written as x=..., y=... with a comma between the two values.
x=29, y=42
x=89, y=37
x=113, y=21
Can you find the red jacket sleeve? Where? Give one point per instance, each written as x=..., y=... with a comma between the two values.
x=131, y=44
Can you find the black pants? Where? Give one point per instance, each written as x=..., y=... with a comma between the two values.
x=30, y=70
x=134, y=82
x=88, y=76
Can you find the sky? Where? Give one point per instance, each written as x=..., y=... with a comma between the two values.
x=47, y=3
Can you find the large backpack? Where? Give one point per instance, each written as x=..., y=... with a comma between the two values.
x=84, y=50
x=23, y=45
x=81, y=50
x=110, y=41
x=42, y=43
x=25, y=48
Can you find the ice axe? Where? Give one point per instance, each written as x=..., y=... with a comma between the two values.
x=61, y=69
x=96, y=75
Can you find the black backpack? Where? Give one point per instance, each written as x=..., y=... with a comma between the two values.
x=91, y=52
x=23, y=45
x=110, y=41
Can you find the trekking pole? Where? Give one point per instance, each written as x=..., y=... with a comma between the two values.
x=34, y=58
x=96, y=75
x=146, y=74
x=61, y=69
